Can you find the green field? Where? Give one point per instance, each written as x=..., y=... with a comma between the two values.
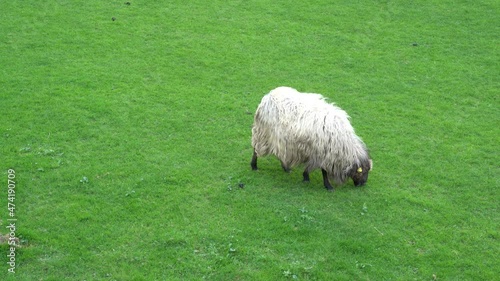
x=125, y=129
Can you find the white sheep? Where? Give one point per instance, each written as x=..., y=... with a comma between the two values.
x=302, y=128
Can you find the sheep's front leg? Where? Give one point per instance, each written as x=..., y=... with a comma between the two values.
x=326, y=182
x=285, y=168
x=253, y=164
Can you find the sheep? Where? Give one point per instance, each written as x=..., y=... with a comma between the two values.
x=302, y=128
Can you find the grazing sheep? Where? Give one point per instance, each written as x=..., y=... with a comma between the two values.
x=301, y=128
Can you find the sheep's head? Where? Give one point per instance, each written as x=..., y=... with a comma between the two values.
x=359, y=174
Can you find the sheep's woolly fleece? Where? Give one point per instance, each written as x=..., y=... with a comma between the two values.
x=302, y=128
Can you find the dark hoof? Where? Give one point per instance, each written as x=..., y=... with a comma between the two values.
x=330, y=189
x=253, y=165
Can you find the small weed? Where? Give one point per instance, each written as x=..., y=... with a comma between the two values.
x=25, y=149
x=306, y=217
x=46, y=152
x=365, y=209
x=289, y=274
x=362, y=265
x=84, y=180
x=232, y=250
x=233, y=184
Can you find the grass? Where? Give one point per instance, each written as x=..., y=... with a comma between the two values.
x=130, y=140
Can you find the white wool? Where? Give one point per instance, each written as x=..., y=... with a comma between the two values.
x=302, y=128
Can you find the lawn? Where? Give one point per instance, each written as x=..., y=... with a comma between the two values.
x=125, y=132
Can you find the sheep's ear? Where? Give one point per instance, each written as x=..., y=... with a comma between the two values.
x=371, y=164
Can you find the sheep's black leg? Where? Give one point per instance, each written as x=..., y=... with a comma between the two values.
x=305, y=174
x=326, y=182
x=253, y=164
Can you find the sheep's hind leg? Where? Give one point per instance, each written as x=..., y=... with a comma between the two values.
x=326, y=182
x=305, y=174
x=253, y=164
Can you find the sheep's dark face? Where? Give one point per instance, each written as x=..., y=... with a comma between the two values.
x=359, y=174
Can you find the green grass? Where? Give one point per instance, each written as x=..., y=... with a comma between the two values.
x=129, y=139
